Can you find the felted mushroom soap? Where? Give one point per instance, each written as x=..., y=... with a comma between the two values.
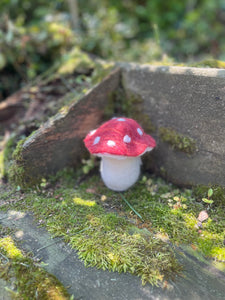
x=120, y=143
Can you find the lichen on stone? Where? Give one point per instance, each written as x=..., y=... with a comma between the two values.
x=209, y=63
x=178, y=141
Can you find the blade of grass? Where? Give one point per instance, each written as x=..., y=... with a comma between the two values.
x=131, y=207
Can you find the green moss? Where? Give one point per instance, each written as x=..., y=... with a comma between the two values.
x=201, y=191
x=145, y=255
x=209, y=63
x=101, y=70
x=177, y=140
x=75, y=60
x=9, y=248
x=83, y=216
x=31, y=280
x=78, y=61
x=2, y=164
x=100, y=236
x=16, y=170
x=6, y=156
x=17, y=154
x=172, y=214
x=18, y=173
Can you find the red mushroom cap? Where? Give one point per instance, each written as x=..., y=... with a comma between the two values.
x=119, y=136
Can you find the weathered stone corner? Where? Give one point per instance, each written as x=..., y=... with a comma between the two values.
x=183, y=108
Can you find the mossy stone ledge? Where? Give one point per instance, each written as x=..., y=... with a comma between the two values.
x=182, y=107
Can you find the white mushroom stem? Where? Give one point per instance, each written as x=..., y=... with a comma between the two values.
x=120, y=173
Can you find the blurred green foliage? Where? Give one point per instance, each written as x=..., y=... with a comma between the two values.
x=34, y=34
x=27, y=51
x=184, y=30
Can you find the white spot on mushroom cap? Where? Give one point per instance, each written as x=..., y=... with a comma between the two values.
x=111, y=143
x=121, y=119
x=96, y=140
x=139, y=131
x=127, y=139
x=92, y=132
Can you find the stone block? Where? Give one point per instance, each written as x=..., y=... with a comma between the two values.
x=191, y=103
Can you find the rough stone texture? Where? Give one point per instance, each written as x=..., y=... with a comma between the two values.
x=4, y=293
x=59, y=142
x=199, y=280
x=192, y=102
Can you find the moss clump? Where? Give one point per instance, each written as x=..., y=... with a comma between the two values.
x=209, y=63
x=31, y=281
x=9, y=248
x=6, y=156
x=75, y=60
x=18, y=174
x=16, y=170
x=145, y=255
x=177, y=140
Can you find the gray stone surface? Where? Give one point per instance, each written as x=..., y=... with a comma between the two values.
x=4, y=294
x=191, y=101
x=199, y=280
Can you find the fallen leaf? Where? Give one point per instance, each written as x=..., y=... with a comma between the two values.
x=203, y=215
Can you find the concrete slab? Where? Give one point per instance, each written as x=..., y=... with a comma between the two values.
x=200, y=281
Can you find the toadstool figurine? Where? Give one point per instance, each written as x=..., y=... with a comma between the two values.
x=120, y=142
